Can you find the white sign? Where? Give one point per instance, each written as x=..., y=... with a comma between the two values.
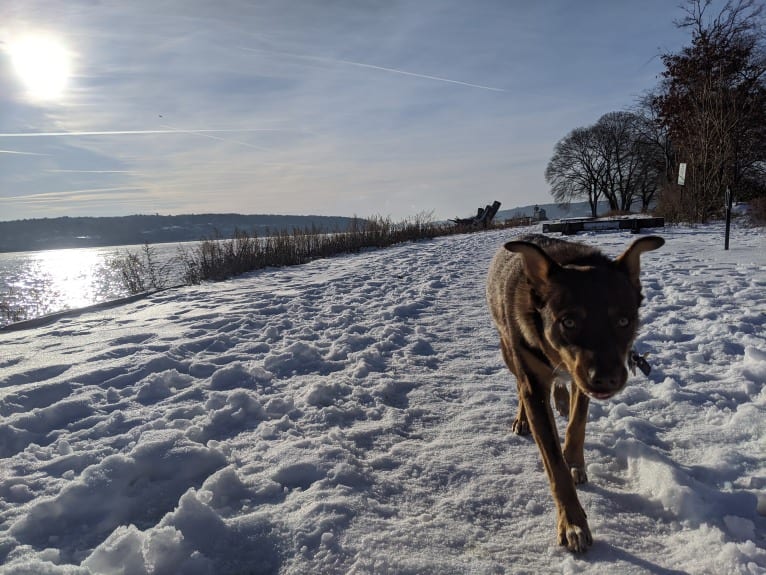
x=681, y=174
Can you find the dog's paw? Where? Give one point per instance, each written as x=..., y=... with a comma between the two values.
x=575, y=538
x=520, y=427
x=578, y=475
x=575, y=535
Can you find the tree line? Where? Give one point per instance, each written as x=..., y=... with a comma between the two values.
x=79, y=232
x=707, y=114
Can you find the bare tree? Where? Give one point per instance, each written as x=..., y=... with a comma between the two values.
x=659, y=157
x=712, y=100
x=576, y=169
x=650, y=175
x=612, y=159
x=618, y=134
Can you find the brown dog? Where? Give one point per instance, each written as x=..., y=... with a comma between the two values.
x=565, y=308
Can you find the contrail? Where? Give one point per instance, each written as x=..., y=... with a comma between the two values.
x=416, y=75
x=90, y=171
x=373, y=67
x=130, y=132
x=54, y=195
x=14, y=152
x=211, y=137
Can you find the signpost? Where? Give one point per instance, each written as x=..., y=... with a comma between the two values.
x=728, y=217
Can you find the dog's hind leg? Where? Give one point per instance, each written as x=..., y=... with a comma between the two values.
x=520, y=425
x=574, y=440
x=561, y=398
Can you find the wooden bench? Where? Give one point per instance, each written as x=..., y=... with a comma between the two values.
x=572, y=226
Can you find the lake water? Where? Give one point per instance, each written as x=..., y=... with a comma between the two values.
x=38, y=283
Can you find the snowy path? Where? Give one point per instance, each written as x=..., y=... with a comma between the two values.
x=352, y=416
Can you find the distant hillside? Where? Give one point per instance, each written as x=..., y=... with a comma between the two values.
x=65, y=232
x=553, y=211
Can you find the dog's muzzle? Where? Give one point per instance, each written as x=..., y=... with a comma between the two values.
x=603, y=384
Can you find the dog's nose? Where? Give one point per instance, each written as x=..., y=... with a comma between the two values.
x=609, y=380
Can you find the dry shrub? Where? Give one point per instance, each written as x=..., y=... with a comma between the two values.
x=141, y=271
x=217, y=258
x=758, y=210
x=671, y=205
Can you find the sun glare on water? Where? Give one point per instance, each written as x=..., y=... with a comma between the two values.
x=43, y=64
x=67, y=277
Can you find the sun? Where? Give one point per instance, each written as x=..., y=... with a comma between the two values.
x=43, y=64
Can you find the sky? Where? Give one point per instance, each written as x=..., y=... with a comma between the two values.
x=332, y=107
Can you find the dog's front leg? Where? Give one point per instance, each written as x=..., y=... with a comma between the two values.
x=574, y=440
x=573, y=530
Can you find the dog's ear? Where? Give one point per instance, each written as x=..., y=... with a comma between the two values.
x=629, y=261
x=538, y=264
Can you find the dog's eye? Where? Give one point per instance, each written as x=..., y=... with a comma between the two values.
x=623, y=322
x=569, y=323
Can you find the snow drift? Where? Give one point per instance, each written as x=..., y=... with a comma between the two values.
x=353, y=416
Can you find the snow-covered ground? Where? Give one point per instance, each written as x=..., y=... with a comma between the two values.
x=353, y=416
